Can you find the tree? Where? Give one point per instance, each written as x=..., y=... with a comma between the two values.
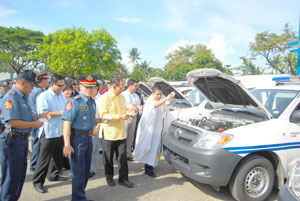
x=74, y=51
x=188, y=58
x=15, y=45
x=145, y=69
x=274, y=49
x=249, y=68
x=136, y=74
x=134, y=56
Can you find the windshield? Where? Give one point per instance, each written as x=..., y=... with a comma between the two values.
x=195, y=97
x=275, y=100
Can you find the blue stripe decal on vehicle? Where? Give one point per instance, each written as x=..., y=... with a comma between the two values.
x=261, y=146
x=274, y=149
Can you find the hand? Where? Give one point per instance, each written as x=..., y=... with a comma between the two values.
x=37, y=124
x=170, y=96
x=68, y=151
x=104, y=120
x=124, y=116
x=141, y=108
x=45, y=115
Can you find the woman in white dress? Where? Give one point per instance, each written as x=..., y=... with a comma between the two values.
x=149, y=130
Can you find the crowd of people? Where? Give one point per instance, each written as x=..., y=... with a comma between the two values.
x=70, y=121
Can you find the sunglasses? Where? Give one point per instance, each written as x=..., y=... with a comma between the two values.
x=60, y=85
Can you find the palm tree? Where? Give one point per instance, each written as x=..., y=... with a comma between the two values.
x=134, y=56
x=145, y=69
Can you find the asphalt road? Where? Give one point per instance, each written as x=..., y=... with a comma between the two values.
x=168, y=185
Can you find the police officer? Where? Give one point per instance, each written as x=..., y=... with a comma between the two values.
x=43, y=83
x=79, y=118
x=4, y=87
x=17, y=117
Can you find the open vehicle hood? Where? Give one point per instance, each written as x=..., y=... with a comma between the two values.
x=223, y=90
x=144, y=89
x=167, y=89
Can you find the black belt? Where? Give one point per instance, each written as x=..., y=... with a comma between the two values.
x=22, y=135
x=83, y=132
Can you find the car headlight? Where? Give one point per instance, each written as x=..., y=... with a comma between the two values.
x=294, y=180
x=212, y=140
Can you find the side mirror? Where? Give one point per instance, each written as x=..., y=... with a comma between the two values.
x=295, y=117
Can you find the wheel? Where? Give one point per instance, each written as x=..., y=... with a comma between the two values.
x=253, y=180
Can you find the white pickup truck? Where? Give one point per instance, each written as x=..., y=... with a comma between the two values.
x=248, y=141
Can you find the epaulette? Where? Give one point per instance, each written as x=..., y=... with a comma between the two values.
x=12, y=92
x=76, y=97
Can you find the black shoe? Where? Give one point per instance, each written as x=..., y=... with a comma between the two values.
x=58, y=178
x=111, y=183
x=127, y=184
x=130, y=159
x=39, y=188
x=91, y=174
x=100, y=152
x=151, y=174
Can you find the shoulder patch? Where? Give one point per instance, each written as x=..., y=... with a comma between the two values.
x=69, y=106
x=8, y=105
x=12, y=92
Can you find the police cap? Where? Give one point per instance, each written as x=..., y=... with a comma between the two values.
x=4, y=83
x=29, y=76
x=43, y=75
x=88, y=81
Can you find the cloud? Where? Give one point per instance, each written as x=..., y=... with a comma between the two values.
x=129, y=20
x=6, y=11
x=221, y=47
x=182, y=43
x=126, y=62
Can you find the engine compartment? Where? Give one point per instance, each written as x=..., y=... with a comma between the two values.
x=219, y=121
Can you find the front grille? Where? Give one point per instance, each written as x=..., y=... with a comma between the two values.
x=183, y=133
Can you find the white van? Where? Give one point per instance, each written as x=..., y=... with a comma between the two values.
x=247, y=141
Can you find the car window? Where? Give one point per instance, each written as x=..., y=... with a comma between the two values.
x=275, y=100
x=195, y=97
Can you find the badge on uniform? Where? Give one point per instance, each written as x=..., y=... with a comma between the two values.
x=69, y=106
x=8, y=105
x=84, y=118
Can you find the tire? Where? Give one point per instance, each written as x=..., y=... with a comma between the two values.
x=253, y=180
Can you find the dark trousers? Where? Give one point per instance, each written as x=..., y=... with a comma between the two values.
x=35, y=148
x=108, y=150
x=13, y=160
x=80, y=163
x=49, y=161
x=148, y=168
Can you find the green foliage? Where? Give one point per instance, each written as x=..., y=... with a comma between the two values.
x=136, y=74
x=188, y=58
x=15, y=45
x=249, y=68
x=74, y=51
x=275, y=50
x=134, y=56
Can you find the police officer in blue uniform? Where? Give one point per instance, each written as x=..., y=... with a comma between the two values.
x=79, y=121
x=43, y=83
x=17, y=117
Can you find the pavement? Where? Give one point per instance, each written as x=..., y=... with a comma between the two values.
x=168, y=185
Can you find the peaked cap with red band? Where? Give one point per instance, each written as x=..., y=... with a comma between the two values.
x=42, y=76
x=88, y=81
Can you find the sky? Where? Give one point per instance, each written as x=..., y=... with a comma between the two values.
x=158, y=27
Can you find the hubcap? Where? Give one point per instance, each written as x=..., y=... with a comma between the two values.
x=256, y=182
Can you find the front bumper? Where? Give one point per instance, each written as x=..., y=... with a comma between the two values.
x=286, y=195
x=208, y=166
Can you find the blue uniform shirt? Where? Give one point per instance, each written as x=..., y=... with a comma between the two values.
x=15, y=105
x=81, y=111
x=51, y=102
x=32, y=99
